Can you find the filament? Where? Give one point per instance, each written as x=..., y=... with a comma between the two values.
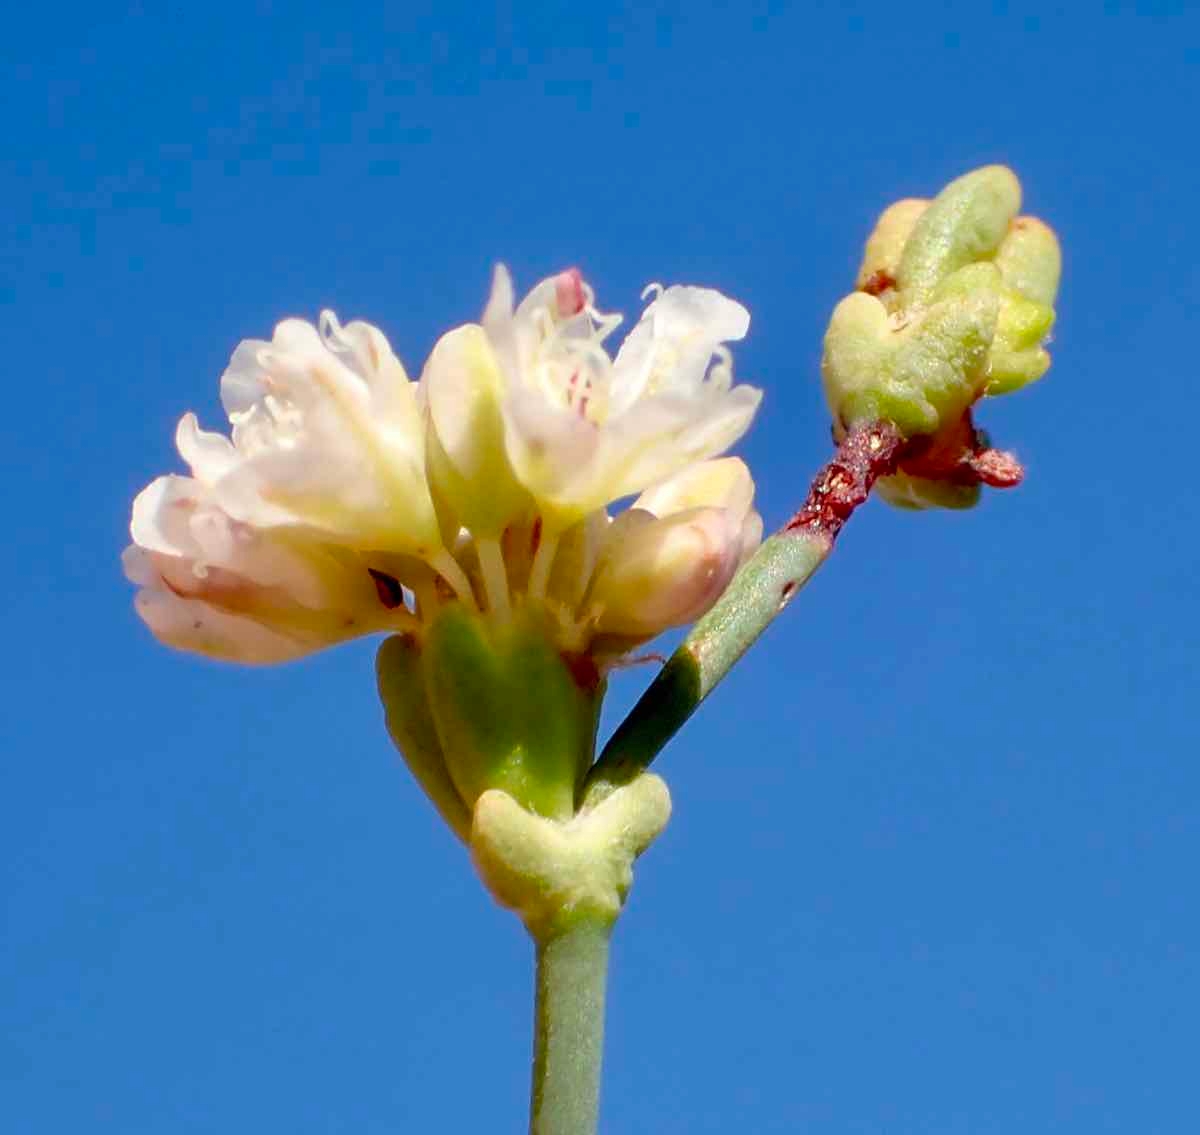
x=495, y=576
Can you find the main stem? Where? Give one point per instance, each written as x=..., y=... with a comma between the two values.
x=572, y=970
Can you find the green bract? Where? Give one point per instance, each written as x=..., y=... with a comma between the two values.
x=554, y=874
x=499, y=732
x=487, y=704
x=955, y=302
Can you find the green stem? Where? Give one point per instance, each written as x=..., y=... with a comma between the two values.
x=572, y=969
x=761, y=590
x=783, y=565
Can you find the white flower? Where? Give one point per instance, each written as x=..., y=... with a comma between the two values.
x=218, y=586
x=328, y=435
x=567, y=429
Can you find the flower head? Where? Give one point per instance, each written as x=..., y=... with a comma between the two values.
x=348, y=499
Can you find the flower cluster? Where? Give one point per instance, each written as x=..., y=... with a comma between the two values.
x=349, y=499
x=954, y=302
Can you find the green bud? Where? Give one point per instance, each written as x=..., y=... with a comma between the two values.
x=965, y=223
x=556, y=873
x=508, y=710
x=955, y=300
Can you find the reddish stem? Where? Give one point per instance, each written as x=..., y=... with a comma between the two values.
x=867, y=453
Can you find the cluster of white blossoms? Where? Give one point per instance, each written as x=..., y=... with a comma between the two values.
x=350, y=500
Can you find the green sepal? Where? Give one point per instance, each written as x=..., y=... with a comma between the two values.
x=509, y=712
x=885, y=246
x=411, y=726
x=921, y=375
x=1016, y=357
x=1030, y=260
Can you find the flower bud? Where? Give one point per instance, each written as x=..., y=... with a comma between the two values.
x=667, y=559
x=955, y=301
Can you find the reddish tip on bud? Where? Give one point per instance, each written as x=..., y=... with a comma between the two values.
x=569, y=293
x=996, y=468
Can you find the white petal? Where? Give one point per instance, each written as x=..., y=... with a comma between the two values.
x=162, y=514
x=468, y=461
x=499, y=325
x=328, y=436
x=209, y=455
x=550, y=449
x=176, y=518
x=673, y=343
x=667, y=433
x=722, y=483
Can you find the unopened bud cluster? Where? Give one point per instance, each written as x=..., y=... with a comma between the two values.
x=955, y=302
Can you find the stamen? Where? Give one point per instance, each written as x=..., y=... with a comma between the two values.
x=582, y=583
x=720, y=374
x=330, y=328
x=495, y=577
x=604, y=325
x=543, y=560
x=447, y=567
x=425, y=600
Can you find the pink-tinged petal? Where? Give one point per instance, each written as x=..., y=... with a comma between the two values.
x=193, y=625
x=657, y=573
x=179, y=517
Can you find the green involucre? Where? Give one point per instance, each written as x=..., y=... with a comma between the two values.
x=508, y=711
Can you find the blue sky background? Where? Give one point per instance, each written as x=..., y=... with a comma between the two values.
x=933, y=863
